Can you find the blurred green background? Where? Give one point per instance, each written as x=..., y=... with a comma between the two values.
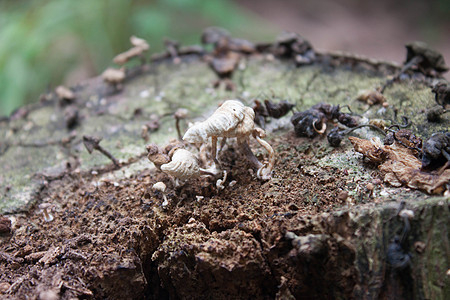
x=50, y=42
x=44, y=43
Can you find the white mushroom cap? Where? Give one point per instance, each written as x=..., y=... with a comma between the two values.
x=181, y=113
x=64, y=93
x=45, y=205
x=231, y=119
x=112, y=75
x=159, y=186
x=138, y=42
x=48, y=217
x=406, y=213
x=184, y=165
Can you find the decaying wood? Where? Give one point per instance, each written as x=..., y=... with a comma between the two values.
x=324, y=227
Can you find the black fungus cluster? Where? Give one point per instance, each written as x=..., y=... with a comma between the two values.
x=270, y=110
x=310, y=123
x=441, y=91
x=426, y=59
x=293, y=45
x=435, y=113
x=436, y=151
x=335, y=136
x=396, y=256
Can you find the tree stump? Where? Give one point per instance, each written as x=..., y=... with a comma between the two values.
x=314, y=231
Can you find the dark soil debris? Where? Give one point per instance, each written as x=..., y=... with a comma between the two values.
x=5, y=225
x=114, y=240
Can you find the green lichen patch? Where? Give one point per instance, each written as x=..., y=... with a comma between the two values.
x=18, y=192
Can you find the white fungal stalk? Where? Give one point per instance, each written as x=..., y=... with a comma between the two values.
x=45, y=210
x=160, y=186
x=265, y=171
x=220, y=182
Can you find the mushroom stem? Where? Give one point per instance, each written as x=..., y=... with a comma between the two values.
x=180, y=114
x=177, y=125
x=265, y=171
x=109, y=155
x=210, y=171
x=47, y=216
x=223, y=143
x=414, y=61
x=220, y=182
x=93, y=143
x=165, y=202
x=45, y=207
x=214, y=150
x=245, y=148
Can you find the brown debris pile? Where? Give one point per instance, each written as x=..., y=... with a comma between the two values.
x=226, y=54
x=419, y=58
x=372, y=97
x=5, y=225
x=401, y=167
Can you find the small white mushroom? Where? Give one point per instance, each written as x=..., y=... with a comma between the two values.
x=231, y=119
x=140, y=46
x=138, y=42
x=114, y=76
x=161, y=187
x=64, y=93
x=265, y=172
x=45, y=207
x=406, y=213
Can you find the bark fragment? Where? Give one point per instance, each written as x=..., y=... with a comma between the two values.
x=401, y=167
